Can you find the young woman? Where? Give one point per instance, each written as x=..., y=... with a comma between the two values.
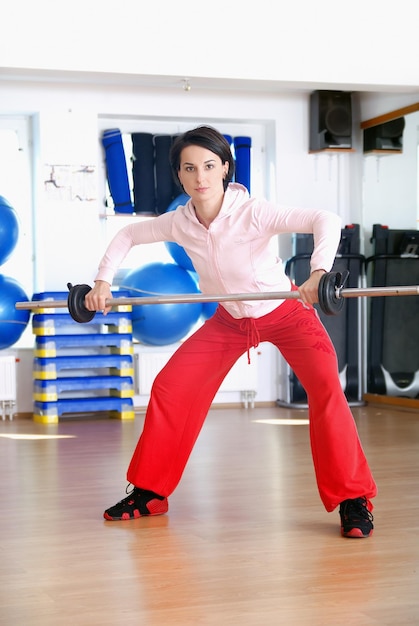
x=227, y=234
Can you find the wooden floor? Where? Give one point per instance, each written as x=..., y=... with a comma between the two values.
x=246, y=540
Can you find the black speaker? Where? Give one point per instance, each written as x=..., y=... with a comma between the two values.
x=387, y=136
x=330, y=120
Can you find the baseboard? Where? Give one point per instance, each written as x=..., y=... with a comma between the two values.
x=21, y=416
x=223, y=405
x=140, y=410
x=240, y=405
x=398, y=401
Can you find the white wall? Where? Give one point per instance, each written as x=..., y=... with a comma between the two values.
x=375, y=104
x=67, y=127
x=371, y=43
x=71, y=237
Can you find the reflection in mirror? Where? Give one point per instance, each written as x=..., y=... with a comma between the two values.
x=390, y=180
x=385, y=137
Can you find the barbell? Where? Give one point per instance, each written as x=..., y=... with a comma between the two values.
x=331, y=297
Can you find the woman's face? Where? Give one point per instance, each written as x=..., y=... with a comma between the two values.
x=201, y=173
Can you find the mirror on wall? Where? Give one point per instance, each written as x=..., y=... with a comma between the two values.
x=390, y=214
x=390, y=173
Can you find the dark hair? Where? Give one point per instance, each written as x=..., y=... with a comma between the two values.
x=206, y=137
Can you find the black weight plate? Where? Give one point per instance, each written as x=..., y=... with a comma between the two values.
x=329, y=302
x=75, y=303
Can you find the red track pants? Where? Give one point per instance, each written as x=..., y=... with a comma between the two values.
x=184, y=390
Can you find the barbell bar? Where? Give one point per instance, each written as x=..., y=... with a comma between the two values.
x=331, y=297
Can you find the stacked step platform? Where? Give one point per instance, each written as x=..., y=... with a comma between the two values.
x=82, y=368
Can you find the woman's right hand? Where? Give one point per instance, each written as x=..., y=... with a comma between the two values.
x=96, y=298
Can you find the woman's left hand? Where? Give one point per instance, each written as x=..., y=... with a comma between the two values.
x=309, y=290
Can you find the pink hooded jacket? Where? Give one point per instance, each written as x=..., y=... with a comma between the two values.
x=233, y=255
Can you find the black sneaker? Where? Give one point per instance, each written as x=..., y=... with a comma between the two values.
x=356, y=519
x=138, y=503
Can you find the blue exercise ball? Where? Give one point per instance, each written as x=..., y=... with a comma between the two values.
x=208, y=309
x=176, y=251
x=162, y=324
x=12, y=321
x=9, y=230
x=179, y=255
